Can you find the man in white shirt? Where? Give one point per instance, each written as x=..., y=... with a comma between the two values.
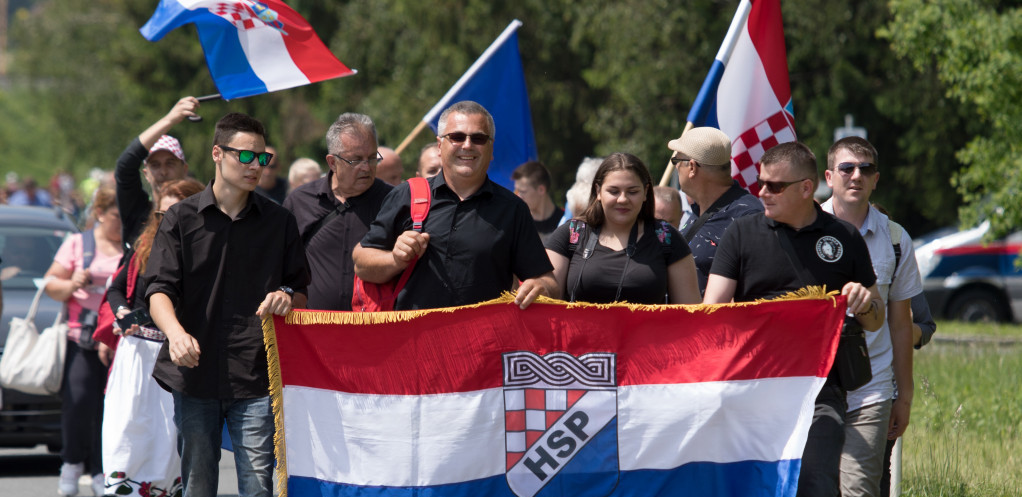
x=879, y=410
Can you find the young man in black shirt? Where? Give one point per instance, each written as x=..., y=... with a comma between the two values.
x=477, y=239
x=222, y=260
x=750, y=264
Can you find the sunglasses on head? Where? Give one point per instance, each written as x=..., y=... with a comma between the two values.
x=247, y=156
x=776, y=187
x=865, y=168
x=477, y=138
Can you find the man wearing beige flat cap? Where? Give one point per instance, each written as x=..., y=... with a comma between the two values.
x=702, y=157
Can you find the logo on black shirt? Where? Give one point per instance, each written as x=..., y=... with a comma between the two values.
x=829, y=249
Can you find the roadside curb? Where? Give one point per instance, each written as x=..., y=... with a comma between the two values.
x=976, y=340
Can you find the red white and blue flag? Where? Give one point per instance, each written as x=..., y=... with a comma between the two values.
x=556, y=400
x=252, y=47
x=746, y=93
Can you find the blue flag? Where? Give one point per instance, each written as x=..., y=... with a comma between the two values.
x=496, y=81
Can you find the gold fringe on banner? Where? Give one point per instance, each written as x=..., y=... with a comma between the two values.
x=277, y=400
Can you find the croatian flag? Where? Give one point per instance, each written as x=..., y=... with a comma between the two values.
x=556, y=400
x=497, y=82
x=252, y=47
x=746, y=94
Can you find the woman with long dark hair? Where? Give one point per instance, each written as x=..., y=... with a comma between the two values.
x=616, y=250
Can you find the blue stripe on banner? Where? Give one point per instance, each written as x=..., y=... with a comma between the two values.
x=169, y=15
x=746, y=478
x=594, y=469
x=707, y=97
x=227, y=61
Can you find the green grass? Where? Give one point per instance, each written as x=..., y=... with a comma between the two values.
x=965, y=436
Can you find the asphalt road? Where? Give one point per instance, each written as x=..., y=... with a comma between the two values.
x=34, y=472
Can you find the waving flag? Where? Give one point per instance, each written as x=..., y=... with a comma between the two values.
x=251, y=47
x=557, y=400
x=496, y=81
x=746, y=94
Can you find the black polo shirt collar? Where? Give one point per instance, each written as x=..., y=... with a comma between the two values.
x=817, y=224
x=208, y=200
x=438, y=181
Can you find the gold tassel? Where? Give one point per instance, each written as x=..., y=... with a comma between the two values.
x=277, y=400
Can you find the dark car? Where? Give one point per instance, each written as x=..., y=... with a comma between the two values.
x=29, y=238
x=968, y=280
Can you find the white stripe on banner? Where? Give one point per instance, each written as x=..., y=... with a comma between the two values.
x=267, y=54
x=396, y=440
x=748, y=79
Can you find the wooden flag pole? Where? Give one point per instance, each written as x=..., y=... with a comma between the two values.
x=411, y=136
x=666, y=179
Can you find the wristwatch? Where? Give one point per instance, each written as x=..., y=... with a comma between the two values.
x=288, y=290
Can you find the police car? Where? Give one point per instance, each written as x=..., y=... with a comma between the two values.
x=968, y=280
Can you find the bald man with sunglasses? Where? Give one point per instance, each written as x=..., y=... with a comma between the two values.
x=751, y=263
x=878, y=411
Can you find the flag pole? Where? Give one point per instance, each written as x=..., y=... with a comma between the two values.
x=707, y=92
x=411, y=136
x=205, y=98
x=666, y=179
x=471, y=72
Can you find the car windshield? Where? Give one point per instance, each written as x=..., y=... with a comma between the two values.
x=27, y=253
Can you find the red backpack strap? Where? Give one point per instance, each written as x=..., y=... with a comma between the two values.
x=132, y=277
x=421, y=198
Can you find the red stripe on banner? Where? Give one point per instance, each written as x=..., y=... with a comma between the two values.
x=461, y=351
x=307, y=51
x=766, y=29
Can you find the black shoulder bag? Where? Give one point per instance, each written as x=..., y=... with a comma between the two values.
x=852, y=361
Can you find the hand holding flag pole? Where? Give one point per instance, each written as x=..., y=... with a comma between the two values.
x=204, y=98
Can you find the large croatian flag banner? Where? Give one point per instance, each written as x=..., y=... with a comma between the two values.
x=556, y=400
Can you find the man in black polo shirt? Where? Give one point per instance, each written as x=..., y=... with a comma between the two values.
x=750, y=264
x=477, y=238
x=334, y=212
x=220, y=261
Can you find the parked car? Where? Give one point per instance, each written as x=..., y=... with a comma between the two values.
x=969, y=280
x=29, y=238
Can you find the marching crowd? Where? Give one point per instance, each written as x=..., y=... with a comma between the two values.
x=194, y=268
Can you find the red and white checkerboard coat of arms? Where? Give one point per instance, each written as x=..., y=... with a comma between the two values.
x=560, y=424
x=248, y=14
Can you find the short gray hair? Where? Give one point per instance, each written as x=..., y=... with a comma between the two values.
x=353, y=124
x=468, y=108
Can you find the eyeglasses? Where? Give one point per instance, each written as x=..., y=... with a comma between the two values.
x=355, y=163
x=678, y=160
x=247, y=156
x=865, y=168
x=477, y=138
x=776, y=187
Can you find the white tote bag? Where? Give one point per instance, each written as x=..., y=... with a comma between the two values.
x=33, y=362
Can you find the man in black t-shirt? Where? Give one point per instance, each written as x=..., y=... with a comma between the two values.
x=751, y=263
x=477, y=239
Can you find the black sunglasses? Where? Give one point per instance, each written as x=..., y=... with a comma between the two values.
x=459, y=137
x=865, y=168
x=678, y=160
x=776, y=187
x=247, y=156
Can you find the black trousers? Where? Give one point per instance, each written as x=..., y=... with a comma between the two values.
x=821, y=460
x=81, y=417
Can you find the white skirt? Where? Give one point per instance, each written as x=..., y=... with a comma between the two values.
x=139, y=436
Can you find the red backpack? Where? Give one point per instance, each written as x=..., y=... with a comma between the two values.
x=372, y=297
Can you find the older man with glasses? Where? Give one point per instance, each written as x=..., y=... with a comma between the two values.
x=766, y=255
x=334, y=212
